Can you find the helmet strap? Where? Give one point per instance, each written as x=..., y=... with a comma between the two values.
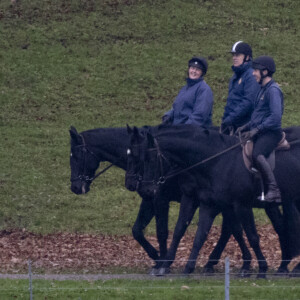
x=262, y=76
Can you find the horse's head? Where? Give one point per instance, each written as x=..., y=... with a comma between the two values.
x=83, y=162
x=146, y=165
x=135, y=159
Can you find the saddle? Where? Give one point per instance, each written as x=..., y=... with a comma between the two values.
x=248, y=149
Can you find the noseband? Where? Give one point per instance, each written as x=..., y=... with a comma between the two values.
x=83, y=177
x=160, y=168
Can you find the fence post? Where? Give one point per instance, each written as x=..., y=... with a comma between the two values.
x=30, y=279
x=227, y=279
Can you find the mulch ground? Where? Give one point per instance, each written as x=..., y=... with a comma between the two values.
x=65, y=252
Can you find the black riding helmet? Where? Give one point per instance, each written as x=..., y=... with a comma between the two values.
x=264, y=63
x=200, y=63
x=242, y=48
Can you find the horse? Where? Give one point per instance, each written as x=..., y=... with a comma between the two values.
x=179, y=145
x=88, y=150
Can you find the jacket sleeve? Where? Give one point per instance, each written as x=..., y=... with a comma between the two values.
x=203, y=107
x=169, y=113
x=246, y=104
x=273, y=121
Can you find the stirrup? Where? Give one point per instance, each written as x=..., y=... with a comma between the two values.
x=263, y=198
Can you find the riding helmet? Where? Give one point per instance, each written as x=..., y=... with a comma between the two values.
x=200, y=63
x=242, y=48
x=264, y=63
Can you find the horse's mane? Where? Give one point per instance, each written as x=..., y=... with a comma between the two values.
x=191, y=135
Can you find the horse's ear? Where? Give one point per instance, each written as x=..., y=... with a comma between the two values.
x=129, y=129
x=150, y=140
x=74, y=135
x=135, y=131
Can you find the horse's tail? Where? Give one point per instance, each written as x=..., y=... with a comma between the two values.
x=291, y=216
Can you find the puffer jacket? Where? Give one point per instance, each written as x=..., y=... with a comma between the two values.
x=243, y=90
x=268, y=109
x=193, y=104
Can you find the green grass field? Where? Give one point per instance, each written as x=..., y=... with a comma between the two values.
x=203, y=289
x=105, y=64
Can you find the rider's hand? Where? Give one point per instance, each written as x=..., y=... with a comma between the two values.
x=250, y=134
x=166, y=120
x=241, y=129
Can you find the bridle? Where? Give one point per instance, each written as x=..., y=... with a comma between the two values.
x=83, y=177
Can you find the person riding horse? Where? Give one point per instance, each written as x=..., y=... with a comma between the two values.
x=265, y=124
x=194, y=102
x=242, y=89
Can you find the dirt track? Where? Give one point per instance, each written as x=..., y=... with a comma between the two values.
x=86, y=253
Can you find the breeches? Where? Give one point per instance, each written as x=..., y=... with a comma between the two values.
x=265, y=143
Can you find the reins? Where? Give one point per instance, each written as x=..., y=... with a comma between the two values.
x=162, y=179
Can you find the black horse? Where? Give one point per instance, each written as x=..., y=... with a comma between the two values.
x=230, y=224
x=90, y=148
x=224, y=184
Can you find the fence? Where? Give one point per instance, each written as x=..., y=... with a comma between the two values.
x=223, y=285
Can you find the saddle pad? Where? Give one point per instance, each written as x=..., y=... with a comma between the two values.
x=248, y=149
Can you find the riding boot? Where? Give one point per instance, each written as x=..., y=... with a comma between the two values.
x=273, y=194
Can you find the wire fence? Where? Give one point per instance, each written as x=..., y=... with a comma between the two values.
x=223, y=283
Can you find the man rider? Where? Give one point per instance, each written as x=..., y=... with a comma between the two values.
x=265, y=124
x=242, y=89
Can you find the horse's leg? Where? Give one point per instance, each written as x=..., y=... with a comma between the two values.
x=161, y=208
x=206, y=219
x=216, y=253
x=187, y=210
x=246, y=217
x=276, y=218
x=237, y=231
x=145, y=215
x=230, y=225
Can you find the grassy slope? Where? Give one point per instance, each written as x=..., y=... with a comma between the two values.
x=105, y=64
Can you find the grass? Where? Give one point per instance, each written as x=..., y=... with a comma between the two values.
x=151, y=289
x=105, y=64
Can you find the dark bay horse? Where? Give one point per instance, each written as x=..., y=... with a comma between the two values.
x=224, y=183
x=91, y=147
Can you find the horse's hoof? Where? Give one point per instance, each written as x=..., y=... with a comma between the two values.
x=261, y=276
x=243, y=273
x=163, y=271
x=153, y=272
x=208, y=270
x=188, y=270
x=282, y=272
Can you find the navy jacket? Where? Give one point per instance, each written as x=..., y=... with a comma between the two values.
x=268, y=109
x=243, y=89
x=193, y=104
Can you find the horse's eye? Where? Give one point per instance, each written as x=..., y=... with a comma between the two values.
x=128, y=151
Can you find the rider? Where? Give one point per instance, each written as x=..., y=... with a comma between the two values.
x=194, y=102
x=265, y=124
x=242, y=89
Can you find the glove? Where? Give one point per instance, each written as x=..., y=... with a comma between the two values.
x=226, y=129
x=241, y=129
x=166, y=120
x=250, y=134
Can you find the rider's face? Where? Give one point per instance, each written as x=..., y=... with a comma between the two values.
x=257, y=75
x=237, y=59
x=194, y=73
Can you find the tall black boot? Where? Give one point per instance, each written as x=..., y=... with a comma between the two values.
x=273, y=194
